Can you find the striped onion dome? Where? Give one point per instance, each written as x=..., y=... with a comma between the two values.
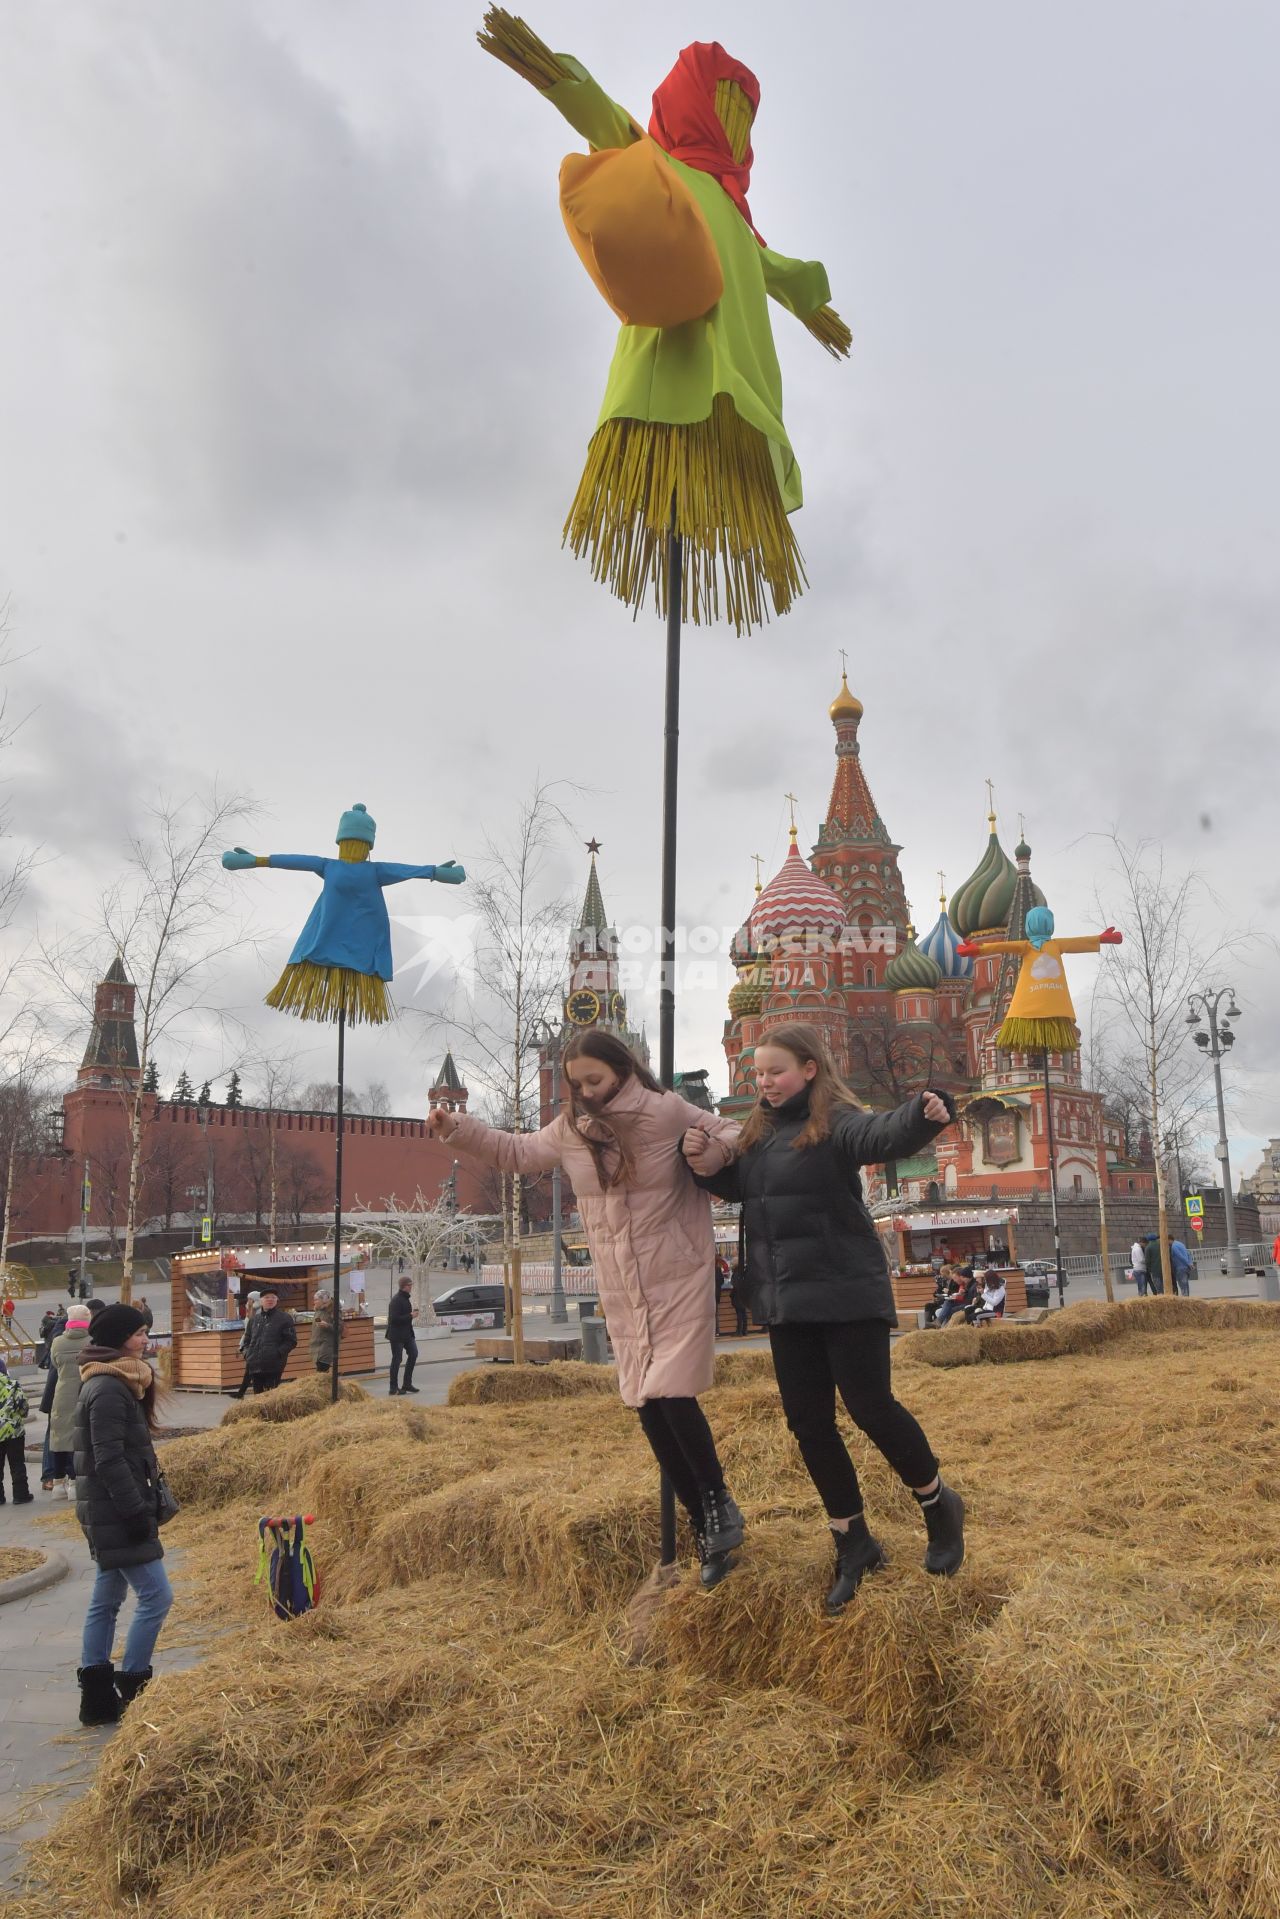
x=983, y=902
x=795, y=901
x=910, y=970
x=940, y=943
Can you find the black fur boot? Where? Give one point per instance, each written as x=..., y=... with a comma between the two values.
x=130, y=1684
x=99, y=1700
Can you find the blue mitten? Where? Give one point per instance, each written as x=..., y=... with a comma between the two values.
x=237, y=859
x=450, y=874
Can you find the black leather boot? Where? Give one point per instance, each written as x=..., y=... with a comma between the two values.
x=712, y=1567
x=130, y=1684
x=722, y=1523
x=857, y=1554
x=944, y=1523
x=99, y=1701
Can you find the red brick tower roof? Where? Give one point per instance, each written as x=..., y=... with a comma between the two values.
x=854, y=853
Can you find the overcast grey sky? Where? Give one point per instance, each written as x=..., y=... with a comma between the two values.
x=297, y=370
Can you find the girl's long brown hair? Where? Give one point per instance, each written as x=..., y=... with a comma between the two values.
x=827, y=1090
x=591, y=1043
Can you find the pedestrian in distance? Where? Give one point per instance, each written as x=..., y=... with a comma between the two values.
x=7, y=1311
x=1155, y=1266
x=1183, y=1267
x=117, y=1492
x=322, y=1331
x=404, y=1347
x=651, y=1242
x=13, y=1438
x=61, y=1390
x=738, y=1294
x=275, y=1337
x=46, y=1332
x=819, y=1281
x=245, y=1348
x=1138, y=1266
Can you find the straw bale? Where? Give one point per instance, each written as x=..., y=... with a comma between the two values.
x=891, y=1663
x=561, y=1379
x=948, y=1345
x=297, y=1400
x=1158, y=1727
x=1083, y=1328
x=743, y=1369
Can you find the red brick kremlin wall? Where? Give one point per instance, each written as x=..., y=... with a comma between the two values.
x=382, y=1158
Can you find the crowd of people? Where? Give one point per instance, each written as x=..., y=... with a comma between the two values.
x=1146, y=1266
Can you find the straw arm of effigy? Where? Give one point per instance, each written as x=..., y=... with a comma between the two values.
x=830, y=331
x=508, y=39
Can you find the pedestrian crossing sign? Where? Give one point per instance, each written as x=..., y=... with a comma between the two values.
x=1195, y=1206
x=206, y=1230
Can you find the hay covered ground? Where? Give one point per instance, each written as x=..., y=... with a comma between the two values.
x=1084, y=1725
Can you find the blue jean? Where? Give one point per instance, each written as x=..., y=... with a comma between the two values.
x=155, y=1596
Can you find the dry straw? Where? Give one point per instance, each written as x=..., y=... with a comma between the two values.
x=1083, y=1725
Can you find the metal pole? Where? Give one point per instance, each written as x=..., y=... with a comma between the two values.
x=667, y=994
x=559, y=1311
x=1053, y=1183
x=1235, y=1265
x=83, y=1287
x=337, y=1211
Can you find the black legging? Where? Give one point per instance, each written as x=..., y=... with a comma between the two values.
x=680, y=1437
x=811, y=1362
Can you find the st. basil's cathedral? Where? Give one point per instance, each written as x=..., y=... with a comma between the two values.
x=830, y=941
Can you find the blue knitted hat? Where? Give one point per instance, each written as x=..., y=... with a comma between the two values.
x=355, y=824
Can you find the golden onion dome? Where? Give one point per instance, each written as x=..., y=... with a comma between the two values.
x=846, y=705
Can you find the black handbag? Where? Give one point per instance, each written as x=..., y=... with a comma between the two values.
x=167, y=1504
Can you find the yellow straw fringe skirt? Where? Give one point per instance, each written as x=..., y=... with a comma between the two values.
x=322, y=992
x=739, y=550
x=1038, y=1036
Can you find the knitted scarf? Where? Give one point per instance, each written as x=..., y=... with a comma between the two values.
x=133, y=1370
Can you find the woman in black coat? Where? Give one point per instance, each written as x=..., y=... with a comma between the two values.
x=818, y=1279
x=117, y=1479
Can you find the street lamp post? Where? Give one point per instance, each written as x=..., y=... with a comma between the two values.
x=1219, y=1039
x=550, y=1033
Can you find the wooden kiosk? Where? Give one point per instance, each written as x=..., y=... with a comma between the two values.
x=916, y=1237
x=208, y=1290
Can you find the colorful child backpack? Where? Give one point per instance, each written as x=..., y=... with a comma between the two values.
x=290, y=1570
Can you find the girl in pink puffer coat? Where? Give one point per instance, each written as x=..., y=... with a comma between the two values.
x=649, y=1230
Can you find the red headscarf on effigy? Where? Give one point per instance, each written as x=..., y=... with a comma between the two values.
x=685, y=123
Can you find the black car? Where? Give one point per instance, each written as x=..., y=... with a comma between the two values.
x=470, y=1305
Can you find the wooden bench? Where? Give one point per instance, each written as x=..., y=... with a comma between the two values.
x=538, y=1352
x=912, y=1292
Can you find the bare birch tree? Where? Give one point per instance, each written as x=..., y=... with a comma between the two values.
x=167, y=919
x=520, y=957
x=1143, y=987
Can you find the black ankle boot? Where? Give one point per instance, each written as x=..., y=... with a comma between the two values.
x=99, y=1701
x=130, y=1684
x=857, y=1554
x=712, y=1566
x=722, y=1523
x=944, y=1523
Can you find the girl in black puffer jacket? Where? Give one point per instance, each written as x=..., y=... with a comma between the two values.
x=818, y=1279
x=116, y=1487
